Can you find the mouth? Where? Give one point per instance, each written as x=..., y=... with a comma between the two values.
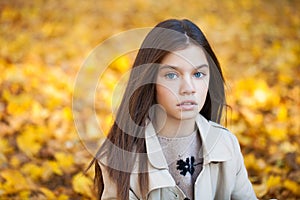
x=187, y=105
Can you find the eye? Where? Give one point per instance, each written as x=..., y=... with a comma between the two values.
x=171, y=76
x=198, y=74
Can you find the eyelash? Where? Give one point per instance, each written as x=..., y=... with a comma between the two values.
x=175, y=74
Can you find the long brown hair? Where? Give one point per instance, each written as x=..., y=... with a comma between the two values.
x=125, y=142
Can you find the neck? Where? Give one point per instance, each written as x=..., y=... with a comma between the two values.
x=172, y=127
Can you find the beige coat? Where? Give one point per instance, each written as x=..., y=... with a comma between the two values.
x=223, y=176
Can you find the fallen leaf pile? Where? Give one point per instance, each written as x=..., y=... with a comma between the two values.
x=44, y=43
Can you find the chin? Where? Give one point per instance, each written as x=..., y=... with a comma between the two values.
x=188, y=115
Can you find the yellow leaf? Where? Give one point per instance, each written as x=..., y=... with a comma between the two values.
x=28, y=142
x=47, y=171
x=109, y=80
x=252, y=162
x=256, y=94
x=55, y=96
x=67, y=113
x=273, y=181
x=15, y=161
x=31, y=139
x=292, y=186
x=3, y=159
x=19, y=104
x=277, y=132
x=260, y=190
x=25, y=195
x=9, y=13
x=282, y=113
x=48, y=193
x=122, y=64
x=63, y=197
x=54, y=166
x=14, y=181
x=47, y=29
x=285, y=77
x=38, y=112
x=4, y=146
x=287, y=147
x=107, y=123
x=82, y=184
x=32, y=170
x=65, y=161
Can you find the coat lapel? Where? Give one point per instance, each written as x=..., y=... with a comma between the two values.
x=215, y=149
x=154, y=151
x=159, y=176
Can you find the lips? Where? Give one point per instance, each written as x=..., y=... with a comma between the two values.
x=187, y=105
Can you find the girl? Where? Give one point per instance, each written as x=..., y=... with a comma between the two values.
x=165, y=142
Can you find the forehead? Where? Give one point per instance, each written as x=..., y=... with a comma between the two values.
x=192, y=56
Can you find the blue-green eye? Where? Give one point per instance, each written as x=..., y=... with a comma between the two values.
x=171, y=76
x=198, y=74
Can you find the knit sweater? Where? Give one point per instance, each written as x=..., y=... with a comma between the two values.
x=184, y=160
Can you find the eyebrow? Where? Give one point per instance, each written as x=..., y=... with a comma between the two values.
x=177, y=68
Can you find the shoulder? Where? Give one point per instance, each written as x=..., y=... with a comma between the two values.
x=225, y=138
x=218, y=126
x=225, y=133
x=215, y=137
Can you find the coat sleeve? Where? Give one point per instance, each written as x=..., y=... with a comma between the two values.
x=110, y=188
x=243, y=189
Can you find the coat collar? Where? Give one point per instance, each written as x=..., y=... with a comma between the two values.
x=215, y=149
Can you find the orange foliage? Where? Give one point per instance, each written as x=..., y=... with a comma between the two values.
x=43, y=44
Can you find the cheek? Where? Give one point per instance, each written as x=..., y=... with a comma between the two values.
x=202, y=92
x=202, y=87
x=164, y=93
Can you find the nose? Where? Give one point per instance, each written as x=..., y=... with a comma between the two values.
x=187, y=86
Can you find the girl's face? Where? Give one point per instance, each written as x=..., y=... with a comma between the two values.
x=182, y=83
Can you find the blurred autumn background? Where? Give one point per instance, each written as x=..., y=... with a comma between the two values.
x=44, y=43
